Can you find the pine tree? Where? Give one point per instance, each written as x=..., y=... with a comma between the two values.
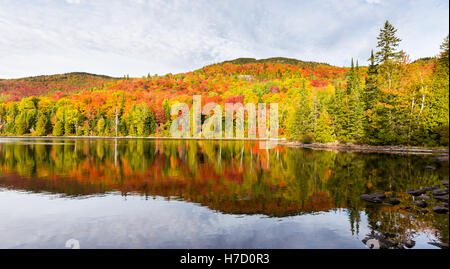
x=301, y=124
x=387, y=42
x=353, y=126
x=443, y=57
x=370, y=97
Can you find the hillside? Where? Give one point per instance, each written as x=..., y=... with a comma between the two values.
x=15, y=89
x=317, y=102
x=276, y=60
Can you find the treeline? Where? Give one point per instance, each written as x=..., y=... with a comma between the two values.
x=41, y=117
x=392, y=101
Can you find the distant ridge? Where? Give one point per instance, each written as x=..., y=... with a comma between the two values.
x=277, y=60
x=47, y=84
x=60, y=76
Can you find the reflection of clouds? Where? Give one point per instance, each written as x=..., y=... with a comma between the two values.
x=45, y=221
x=120, y=37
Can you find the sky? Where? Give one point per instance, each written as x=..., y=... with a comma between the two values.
x=140, y=37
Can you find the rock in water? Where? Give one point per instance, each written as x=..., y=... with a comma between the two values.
x=417, y=192
x=429, y=167
x=440, y=192
x=394, y=201
x=370, y=198
x=420, y=203
x=441, y=245
x=442, y=198
x=440, y=209
x=424, y=197
x=379, y=195
x=388, y=234
x=429, y=188
x=445, y=183
x=409, y=243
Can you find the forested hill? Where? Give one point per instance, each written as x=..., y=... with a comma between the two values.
x=276, y=60
x=48, y=84
x=392, y=101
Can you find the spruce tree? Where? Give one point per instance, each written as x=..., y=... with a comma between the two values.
x=387, y=42
x=370, y=98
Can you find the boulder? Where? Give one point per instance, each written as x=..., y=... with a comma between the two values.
x=440, y=245
x=370, y=198
x=409, y=243
x=442, y=198
x=440, y=209
x=440, y=192
x=379, y=195
x=416, y=192
x=420, y=203
x=394, y=201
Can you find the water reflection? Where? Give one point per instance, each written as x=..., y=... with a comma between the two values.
x=230, y=177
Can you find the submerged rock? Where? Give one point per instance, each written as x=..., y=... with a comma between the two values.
x=429, y=167
x=424, y=197
x=445, y=183
x=424, y=211
x=420, y=203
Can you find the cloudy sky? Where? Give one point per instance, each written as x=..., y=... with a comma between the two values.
x=137, y=37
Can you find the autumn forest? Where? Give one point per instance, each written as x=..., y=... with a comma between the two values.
x=392, y=101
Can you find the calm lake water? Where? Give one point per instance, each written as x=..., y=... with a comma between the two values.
x=132, y=193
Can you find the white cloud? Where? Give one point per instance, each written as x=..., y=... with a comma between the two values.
x=73, y=1
x=139, y=37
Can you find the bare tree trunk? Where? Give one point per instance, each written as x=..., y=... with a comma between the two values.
x=423, y=93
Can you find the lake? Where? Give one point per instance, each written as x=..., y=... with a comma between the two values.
x=136, y=193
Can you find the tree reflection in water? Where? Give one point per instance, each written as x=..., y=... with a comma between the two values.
x=233, y=177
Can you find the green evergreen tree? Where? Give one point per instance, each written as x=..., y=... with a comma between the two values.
x=370, y=98
x=301, y=124
x=387, y=42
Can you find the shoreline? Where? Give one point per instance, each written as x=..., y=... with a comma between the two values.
x=337, y=147
x=364, y=148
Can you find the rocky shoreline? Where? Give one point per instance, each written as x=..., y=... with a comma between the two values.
x=428, y=200
x=349, y=147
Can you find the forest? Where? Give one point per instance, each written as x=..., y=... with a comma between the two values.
x=392, y=101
